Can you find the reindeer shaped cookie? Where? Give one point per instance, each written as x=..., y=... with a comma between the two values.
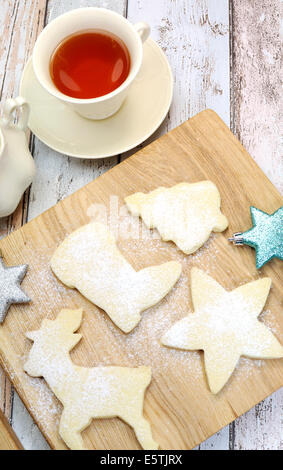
x=86, y=393
x=90, y=261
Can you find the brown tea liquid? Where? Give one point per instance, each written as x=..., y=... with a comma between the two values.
x=90, y=64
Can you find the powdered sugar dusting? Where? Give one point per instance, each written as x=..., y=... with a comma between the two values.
x=185, y=213
x=142, y=346
x=46, y=408
x=85, y=393
x=90, y=261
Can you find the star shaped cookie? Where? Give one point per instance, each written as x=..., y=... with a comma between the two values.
x=10, y=290
x=225, y=326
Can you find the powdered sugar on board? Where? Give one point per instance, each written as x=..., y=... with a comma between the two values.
x=86, y=393
x=89, y=260
x=47, y=408
x=225, y=325
x=142, y=346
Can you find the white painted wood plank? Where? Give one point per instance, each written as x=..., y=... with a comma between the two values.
x=256, y=121
x=20, y=23
x=257, y=88
x=195, y=37
x=26, y=430
x=262, y=427
x=58, y=175
x=219, y=441
x=19, y=26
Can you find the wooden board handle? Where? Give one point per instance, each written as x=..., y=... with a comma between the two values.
x=8, y=439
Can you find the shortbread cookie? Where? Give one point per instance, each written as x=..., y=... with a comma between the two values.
x=225, y=326
x=90, y=261
x=86, y=393
x=185, y=213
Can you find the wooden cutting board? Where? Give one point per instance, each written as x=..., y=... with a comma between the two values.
x=178, y=403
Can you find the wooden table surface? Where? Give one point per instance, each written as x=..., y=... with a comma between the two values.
x=225, y=56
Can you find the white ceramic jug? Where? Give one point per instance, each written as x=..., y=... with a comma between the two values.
x=17, y=167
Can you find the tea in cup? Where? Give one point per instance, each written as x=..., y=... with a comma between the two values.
x=88, y=58
x=90, y=64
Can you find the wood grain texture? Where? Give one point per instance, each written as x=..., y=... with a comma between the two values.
x=255, y=119
x=195, y=38
x=58, y=175
x=205, y=66
x=181, y=415
x=194, y=52
x=8, y=439
x=20, y=24
x=261, y=428
x=256, y=86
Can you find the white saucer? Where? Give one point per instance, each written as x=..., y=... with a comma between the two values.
x=146, y=106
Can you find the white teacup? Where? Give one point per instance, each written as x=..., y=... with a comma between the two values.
x=85, y=19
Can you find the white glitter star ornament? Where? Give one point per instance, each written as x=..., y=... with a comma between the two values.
x=225, y=326
x=10, y=290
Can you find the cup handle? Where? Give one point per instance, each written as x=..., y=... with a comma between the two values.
x=12, y=105
x=143, y=29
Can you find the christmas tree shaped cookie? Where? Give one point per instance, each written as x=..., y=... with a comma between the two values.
x=90, y=261
x=225, y=326
x=185, y=213
x=86, y=393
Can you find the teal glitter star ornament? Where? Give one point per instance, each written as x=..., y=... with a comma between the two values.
x=266, y=235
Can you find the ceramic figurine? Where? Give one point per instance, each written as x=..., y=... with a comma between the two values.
x=17, y=167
